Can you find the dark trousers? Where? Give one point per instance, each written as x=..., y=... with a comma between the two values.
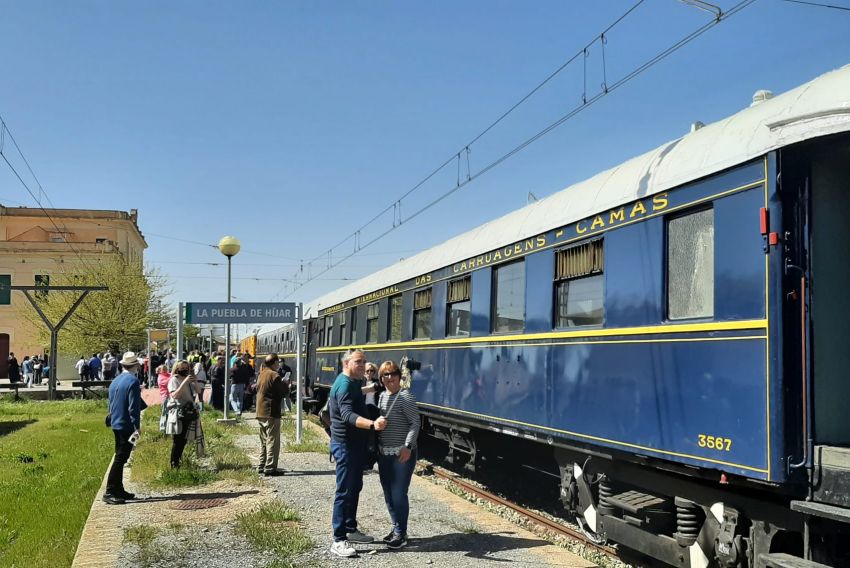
x=123, y=447
x=349, y=458
x=178, y=444
x=395, y=480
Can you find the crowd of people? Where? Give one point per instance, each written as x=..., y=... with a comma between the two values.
x=370, y=417
x=31, y=371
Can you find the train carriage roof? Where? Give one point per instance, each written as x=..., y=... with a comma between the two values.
x=817, y=108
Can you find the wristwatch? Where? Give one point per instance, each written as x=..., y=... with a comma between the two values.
x=372, y=426
x=408, y=446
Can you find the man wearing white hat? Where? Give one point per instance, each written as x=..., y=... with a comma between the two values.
x=125, y=406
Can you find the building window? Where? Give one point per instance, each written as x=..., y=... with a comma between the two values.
x=422, y=314
x=329, y=326
x=509, y=297
x=372, y=323
x=578, y=285
x=342, y=327
x=458, y=308
x=354, y=326
x=42, y=280
x=690, y=265
x=394, y=331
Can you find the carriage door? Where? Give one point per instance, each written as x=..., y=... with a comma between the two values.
x=830, y=290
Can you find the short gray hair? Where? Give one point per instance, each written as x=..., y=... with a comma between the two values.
x=350, y=353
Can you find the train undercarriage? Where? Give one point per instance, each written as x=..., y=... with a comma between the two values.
x=676, y=515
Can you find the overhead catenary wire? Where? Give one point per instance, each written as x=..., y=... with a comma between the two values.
x=819, y=5
x=4, y=130
x=464, y=150
x=586, y=103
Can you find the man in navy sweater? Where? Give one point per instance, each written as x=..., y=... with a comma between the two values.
x=349, y=434
x=125, y=407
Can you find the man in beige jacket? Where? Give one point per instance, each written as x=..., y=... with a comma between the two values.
x=270, y=392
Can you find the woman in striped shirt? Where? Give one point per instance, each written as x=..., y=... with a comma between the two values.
x=397, y=455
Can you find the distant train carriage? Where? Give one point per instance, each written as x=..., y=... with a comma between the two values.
x=668, y=333
x=282, y=341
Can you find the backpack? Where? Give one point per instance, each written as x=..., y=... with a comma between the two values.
x=85, y=369
x=325, y=416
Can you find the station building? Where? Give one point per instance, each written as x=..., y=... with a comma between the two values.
x=36, y=244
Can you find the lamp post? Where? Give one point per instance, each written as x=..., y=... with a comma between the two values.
x=229, y=247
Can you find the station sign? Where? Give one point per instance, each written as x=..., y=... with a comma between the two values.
x=240, y=312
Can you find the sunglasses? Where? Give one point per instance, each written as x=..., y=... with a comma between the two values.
x=388, y=375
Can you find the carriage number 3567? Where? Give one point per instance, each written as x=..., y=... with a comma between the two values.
x=714, y=442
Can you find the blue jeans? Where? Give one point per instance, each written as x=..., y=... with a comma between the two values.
x=349, y=458
x=395, y=479
x=237, y=393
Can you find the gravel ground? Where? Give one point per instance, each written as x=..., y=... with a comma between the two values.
x=445, y=530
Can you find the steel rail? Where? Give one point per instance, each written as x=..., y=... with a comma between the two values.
x=545, y=523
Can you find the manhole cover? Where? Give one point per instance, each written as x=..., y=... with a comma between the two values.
x=194, y=504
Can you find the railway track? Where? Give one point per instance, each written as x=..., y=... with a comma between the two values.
x=544, y=523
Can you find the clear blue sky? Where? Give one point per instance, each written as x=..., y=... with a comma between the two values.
x=288, y=124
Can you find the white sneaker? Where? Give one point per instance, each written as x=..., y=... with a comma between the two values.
x=342, y=548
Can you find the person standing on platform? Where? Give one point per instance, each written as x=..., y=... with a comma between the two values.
x=217, y=394
x=125, y=407
x=82, y=368
x=240, y=375
x=270, y=392
x=397, y=456
x=26, y=369
x=14, y=369
x=94, y=367
x=349, y=434
x=108, y=366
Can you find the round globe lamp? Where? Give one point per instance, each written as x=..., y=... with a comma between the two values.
x=229, y=246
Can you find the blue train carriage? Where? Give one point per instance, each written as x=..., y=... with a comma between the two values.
x=667, y=333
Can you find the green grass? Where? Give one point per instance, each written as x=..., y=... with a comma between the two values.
x=53, y=456
x=313, y=439
x=159, y=547
x=274, y=527
x=224, y=459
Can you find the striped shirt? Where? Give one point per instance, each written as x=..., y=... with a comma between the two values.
x=402, y=421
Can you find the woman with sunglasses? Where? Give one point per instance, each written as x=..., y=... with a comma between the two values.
x=183, y=418
x=397, y=454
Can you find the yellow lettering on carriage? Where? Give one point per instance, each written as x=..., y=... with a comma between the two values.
x=659, y=202
x=637, y=209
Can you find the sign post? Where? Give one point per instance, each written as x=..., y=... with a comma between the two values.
x=179, y=331
x=299, y=321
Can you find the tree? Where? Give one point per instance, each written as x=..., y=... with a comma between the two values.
x=115, y=319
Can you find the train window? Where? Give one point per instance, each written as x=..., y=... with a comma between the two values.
x=458, y=309
x=342, y=327
x=372, y=323
x=354, y=326
x=329, y=324
x=422, y=314
x=690, y=265
x=394, y=331
x=509, y=297
x=578, y=285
